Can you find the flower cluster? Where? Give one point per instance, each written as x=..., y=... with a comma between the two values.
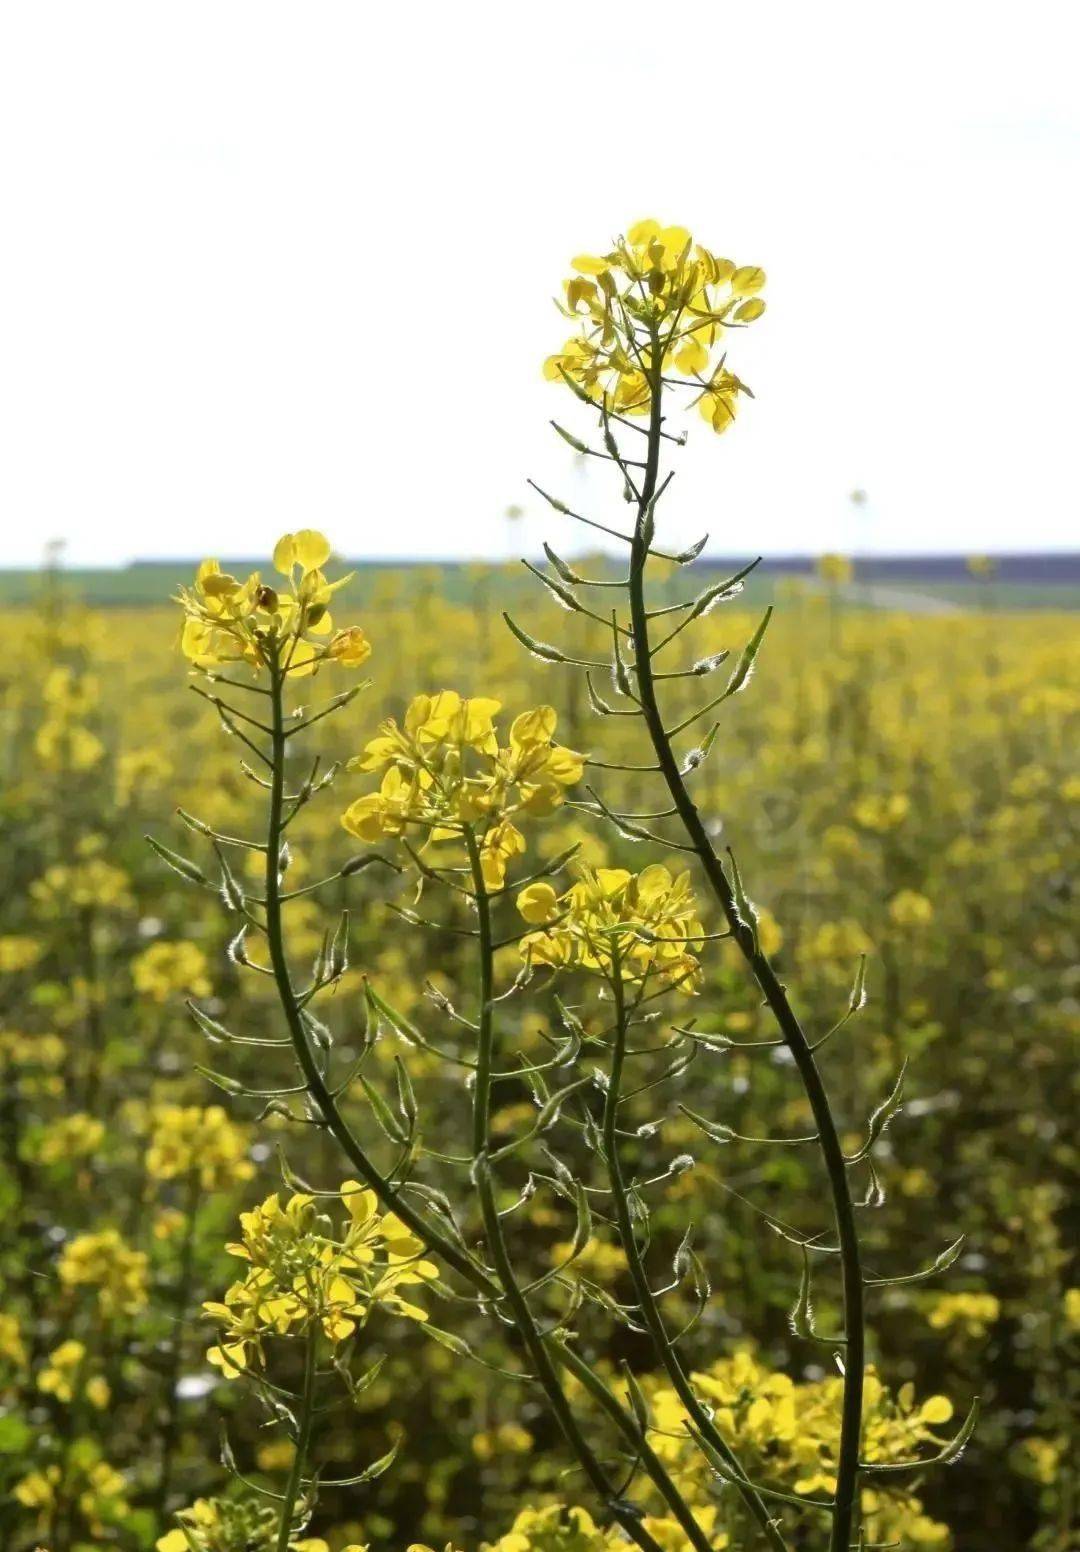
x=657, y=300
x=104, y=1261
x=234, y=1525
x=226, y=620
x=788, y=1433
x=71, y=1137
x=86, y=1482
x=66, y=1376
x=164, y=970
x=444, y=769
x=187, y=1138
x=971, y=1314
x=302, y=1278
x=638, y=926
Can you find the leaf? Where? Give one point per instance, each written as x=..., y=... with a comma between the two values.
x=386, y=1118
x=549, y=1112
x=745, y=666
x=231, y=892
x=572, y=441
x=562, y=595
x=743, y=904
x=181, y=865
x=406, y=1095
x=942, y=1264
x=566, y=572
x=540, y=649
x=882, y=1116
x=715, y=1130
x=685, y=557
x=857, y=1000
x=948, y=1455
x=801, y=1318
x=638, y=1405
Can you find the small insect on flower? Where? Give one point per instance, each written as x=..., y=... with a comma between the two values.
x=227, y=621
x=656, y=304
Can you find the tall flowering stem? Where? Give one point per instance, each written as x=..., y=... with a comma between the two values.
x=539, y=1352
x=845, y=1513
x=281, y=636
x=648, y=1304
x=651, y=314
x=305, y=1424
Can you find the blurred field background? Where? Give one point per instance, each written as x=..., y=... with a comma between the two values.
x=900, y=783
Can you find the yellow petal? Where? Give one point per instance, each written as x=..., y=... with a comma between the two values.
x=747, y=280
x=285, y=554
x=312, y=549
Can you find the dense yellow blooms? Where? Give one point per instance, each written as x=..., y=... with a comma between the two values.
x=106, y=1263
x=12, y=1346
x=87, y=1483
x=910, y=909
x=444, y=770
x=66, y=1375
x=970, y=1313
x=925, y=755
x=642, y=927
x=226, y=620
x=18, y=953
x=301, y=1277
x=75, y=1136
x=187, y=1138
x=234, y=1525
x=656, y=301
x=167, y=970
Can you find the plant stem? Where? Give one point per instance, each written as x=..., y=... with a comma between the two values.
x=516, y=1302
x=774, y=994
x=181, y=1295
x=319, y=1092
x=303, y=1443
x=647, y=1303
x=544, y=1352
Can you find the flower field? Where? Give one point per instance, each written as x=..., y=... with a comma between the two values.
x=487, y=1113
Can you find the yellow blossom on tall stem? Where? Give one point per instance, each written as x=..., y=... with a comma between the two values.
x=638, y=927
x=444, y=770
x=658, y=283
x=230, y=621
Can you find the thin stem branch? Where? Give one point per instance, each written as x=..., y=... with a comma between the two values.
x=847, y=1487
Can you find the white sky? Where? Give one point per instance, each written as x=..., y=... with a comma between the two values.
x=267, y=266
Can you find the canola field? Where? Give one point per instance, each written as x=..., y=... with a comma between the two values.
x=541, y=1072
x=894, y=787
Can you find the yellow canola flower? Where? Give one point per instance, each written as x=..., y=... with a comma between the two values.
x=642, y=927
x=105, y=1262
x=657, y=301
x=165, y=970
x=302, y=1277
x=227, y=620
x=186, y=1138
x=910, y=909
x=444, y=770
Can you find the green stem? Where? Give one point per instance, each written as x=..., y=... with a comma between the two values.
x=647, y=1303
x=303, y=1443
x=320, y=1094
x=636, y=1437
x=516, y=1302
x=774, y=994
x=182, y=1294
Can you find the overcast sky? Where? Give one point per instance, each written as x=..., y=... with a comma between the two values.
x=267, y=266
